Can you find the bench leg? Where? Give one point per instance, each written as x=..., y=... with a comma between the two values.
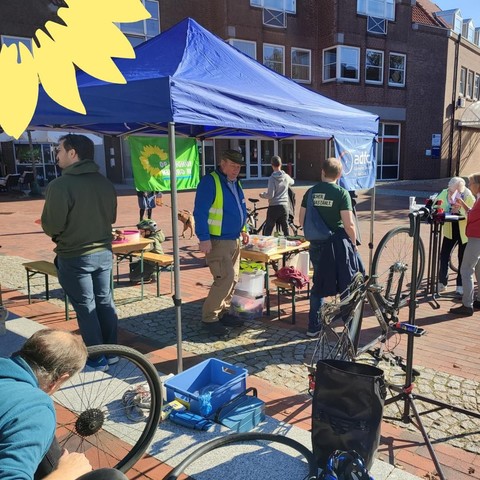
x=278, y=302
x=293, y=305
x=47, y=291
x=157, y=269
x=28, y=287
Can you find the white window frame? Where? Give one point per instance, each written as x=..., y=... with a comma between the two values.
x=289, y=6
x=381, y=67
x=301, y=65
x=476, y=87
x=367, y=7
x=274, y=46
x=462, y=86
x=390, y=82
x=457, y=23
x=470, y=84
x=468, y=30
x=237, y=43
x=338, y=64
x=136, y=37
x=380, y=163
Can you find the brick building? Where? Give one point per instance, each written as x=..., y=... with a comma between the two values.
x=404, y=60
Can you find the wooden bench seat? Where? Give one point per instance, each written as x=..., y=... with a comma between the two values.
x=287, y=287
x=47, y=269
x=163, y=263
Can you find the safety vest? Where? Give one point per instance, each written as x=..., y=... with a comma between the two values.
x=215, y=213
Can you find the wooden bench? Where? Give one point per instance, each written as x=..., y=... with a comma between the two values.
x=163, y=263
x=287, y=287
x=47, y=269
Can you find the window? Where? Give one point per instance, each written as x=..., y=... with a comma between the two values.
x=245, y=46
x=388, y=151
x=301, y=65
x=374, y=66
x=273, y=57
x=396, y=70
x=377, y=8
x=139, y=32
x=462, y=90
x=470, y=79
x=289, y=6
x=458, y=23
x=477, y=37
x=468, y=30
x=476, y=88
x=7, y=40
x=341, y=63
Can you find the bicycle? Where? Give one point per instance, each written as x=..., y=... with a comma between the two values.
x=252, y=220
x=341, y=319
x=110, y=416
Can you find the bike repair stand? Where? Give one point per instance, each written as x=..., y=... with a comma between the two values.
x=406, y=391
x=436, y=225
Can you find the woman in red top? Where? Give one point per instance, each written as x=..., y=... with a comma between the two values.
x=471, y=257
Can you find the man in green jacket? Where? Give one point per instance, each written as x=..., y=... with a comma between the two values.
x=80, y=208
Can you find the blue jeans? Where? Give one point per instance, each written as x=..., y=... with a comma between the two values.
x=87, y=283
x=316, y=301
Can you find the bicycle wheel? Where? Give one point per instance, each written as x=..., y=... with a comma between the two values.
x=97, y=413
x=453, y=260
x=393, y=257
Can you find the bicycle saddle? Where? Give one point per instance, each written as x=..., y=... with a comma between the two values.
x=253, y=200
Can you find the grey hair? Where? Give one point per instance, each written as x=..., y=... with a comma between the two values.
x=53, y=353
x=457, y=181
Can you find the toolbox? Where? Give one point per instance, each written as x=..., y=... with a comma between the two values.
x=243, y=413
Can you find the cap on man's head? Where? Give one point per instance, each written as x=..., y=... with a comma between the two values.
x=233, y=156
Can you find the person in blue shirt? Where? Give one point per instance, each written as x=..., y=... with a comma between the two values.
x=220, y=214
x=28, y=448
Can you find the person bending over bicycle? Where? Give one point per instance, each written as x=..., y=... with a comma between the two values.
x=334, y=258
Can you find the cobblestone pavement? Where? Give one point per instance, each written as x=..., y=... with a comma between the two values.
x=277, y=355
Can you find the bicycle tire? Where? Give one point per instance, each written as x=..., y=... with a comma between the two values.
x=92, y=415
x=453, y=259
x=396, y=250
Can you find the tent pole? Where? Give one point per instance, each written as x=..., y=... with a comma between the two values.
x=203, y=157
x=372, y=222
x=177, y=301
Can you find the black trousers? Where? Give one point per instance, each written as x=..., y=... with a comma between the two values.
x=276, y=214
x=447, y=247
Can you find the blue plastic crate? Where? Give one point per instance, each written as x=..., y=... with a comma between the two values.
x=227, y=381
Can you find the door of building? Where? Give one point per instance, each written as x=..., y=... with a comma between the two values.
x=388, y=151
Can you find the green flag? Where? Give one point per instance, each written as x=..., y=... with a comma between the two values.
x=151, y=163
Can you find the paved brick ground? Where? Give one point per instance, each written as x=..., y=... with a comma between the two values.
x=447, y=356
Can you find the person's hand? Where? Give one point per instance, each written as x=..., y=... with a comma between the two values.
x=205, y=246
x=70, y=466
x=245, y=238
x=460, y=204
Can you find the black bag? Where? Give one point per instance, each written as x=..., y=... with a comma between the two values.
x=314, y=226
x=347, y=409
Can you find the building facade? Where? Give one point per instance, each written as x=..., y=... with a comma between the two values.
x=416, y=67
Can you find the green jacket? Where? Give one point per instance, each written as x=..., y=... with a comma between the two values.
x=80, y=208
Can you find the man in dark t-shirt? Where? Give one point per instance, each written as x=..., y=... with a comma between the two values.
x=334, y=205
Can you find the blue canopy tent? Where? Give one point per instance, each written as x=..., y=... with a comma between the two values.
x=187, y=81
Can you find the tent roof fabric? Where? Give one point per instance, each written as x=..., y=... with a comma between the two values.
x=208, y=88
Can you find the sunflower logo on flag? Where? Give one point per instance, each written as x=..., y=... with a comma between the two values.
x=151, y=157
x=88, y=39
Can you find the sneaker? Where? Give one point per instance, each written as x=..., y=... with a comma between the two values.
x=229, y=320
x=476, y=304
x=98, y=363
x=112, y=359
x=215, y=328
x=441, y=287
x=459, y=291
x=462, y=310
x=313, y=334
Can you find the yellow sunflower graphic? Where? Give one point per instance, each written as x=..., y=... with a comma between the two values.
x=150, y=158
x=88, y=39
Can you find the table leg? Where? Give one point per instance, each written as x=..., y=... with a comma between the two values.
x=267, y=288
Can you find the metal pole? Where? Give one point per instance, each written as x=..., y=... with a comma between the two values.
x=177, y=301
x=372, y=221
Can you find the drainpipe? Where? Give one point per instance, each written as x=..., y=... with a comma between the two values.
x=454, y=105
x=459, y=152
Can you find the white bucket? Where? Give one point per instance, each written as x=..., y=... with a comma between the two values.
x=303, y=263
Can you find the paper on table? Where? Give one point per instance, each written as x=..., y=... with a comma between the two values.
x=454, y=196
